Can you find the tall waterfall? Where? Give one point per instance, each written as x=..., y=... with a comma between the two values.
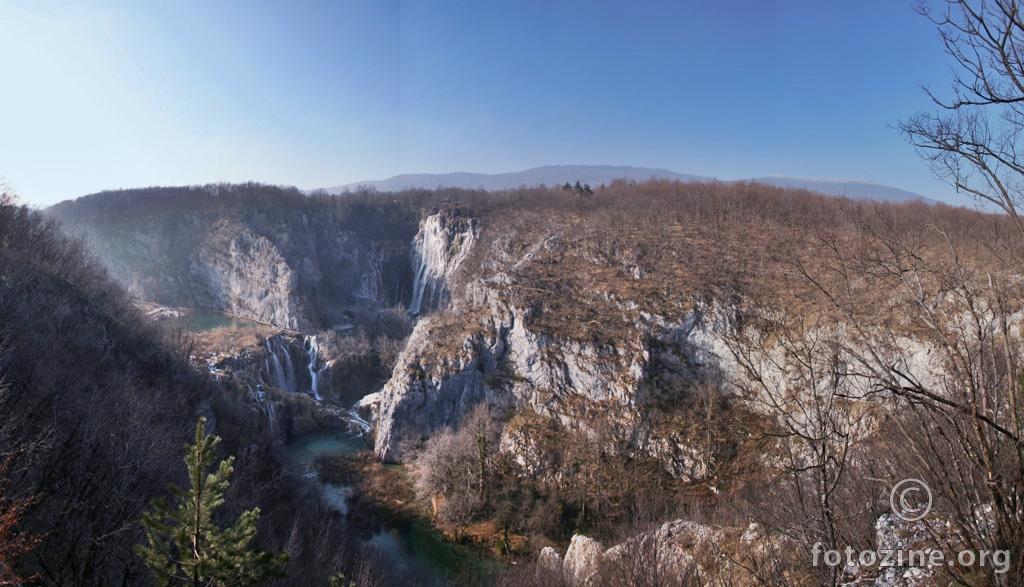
x=441, y=245
x=312, y=348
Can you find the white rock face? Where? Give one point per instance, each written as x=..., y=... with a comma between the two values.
x=681, y=552
x=250, y=279
x=663, y=553
x=549, y=561
x=505, y=363
x=582, y=559
x=286, y=262
x=894, y=534
x=416, y=402
x=483, y=348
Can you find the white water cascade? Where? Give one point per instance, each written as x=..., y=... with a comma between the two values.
x=283, y=354
x=272, y=419
x=312, y=348
x=441, y=245
x=279, y=365
x=266, y=406
x=357, y=424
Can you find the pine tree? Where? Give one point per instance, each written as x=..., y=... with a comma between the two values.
x=186, y=546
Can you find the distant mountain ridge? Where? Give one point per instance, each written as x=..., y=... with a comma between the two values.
x=548, y=175
x=851, y=188
x=596, y=174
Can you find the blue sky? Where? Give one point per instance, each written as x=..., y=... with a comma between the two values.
x=103, y=95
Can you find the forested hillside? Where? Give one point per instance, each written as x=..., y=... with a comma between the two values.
x=96, y=404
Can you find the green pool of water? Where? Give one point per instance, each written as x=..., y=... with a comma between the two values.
x=204, y=321
x=305, y=449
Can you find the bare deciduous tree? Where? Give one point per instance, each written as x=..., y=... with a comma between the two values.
x=973, y=141
x=798, y=372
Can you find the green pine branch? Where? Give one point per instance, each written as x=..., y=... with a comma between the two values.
x=186, y=547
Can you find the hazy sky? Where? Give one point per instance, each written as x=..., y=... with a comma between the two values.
x=106, y=95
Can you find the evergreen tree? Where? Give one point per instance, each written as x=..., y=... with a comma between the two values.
x=186, y=546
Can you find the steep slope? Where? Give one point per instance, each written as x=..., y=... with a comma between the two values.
x=94, y=410
x=96, y=403
x=582, y=364
x=596, y=315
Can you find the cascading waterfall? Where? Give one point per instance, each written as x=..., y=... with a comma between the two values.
x=419, y=284
x=278, y=371
x=357, y=424
x=279, y=364
x=268, y=407
x=289, y=369
x=272, y=365
x=312, y=348
x=272, y=418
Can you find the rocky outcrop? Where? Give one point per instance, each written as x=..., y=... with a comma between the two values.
x=295, y=283
x=451, y=363
x=582, y=559
x=615, y=380
x=676, y=553
x=416, y=401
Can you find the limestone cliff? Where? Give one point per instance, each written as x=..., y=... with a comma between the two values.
x=682, y=552
x=494, y=345
x=679, y=552
x=251, y=279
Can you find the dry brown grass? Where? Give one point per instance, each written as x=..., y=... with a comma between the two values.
x=224, y=339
